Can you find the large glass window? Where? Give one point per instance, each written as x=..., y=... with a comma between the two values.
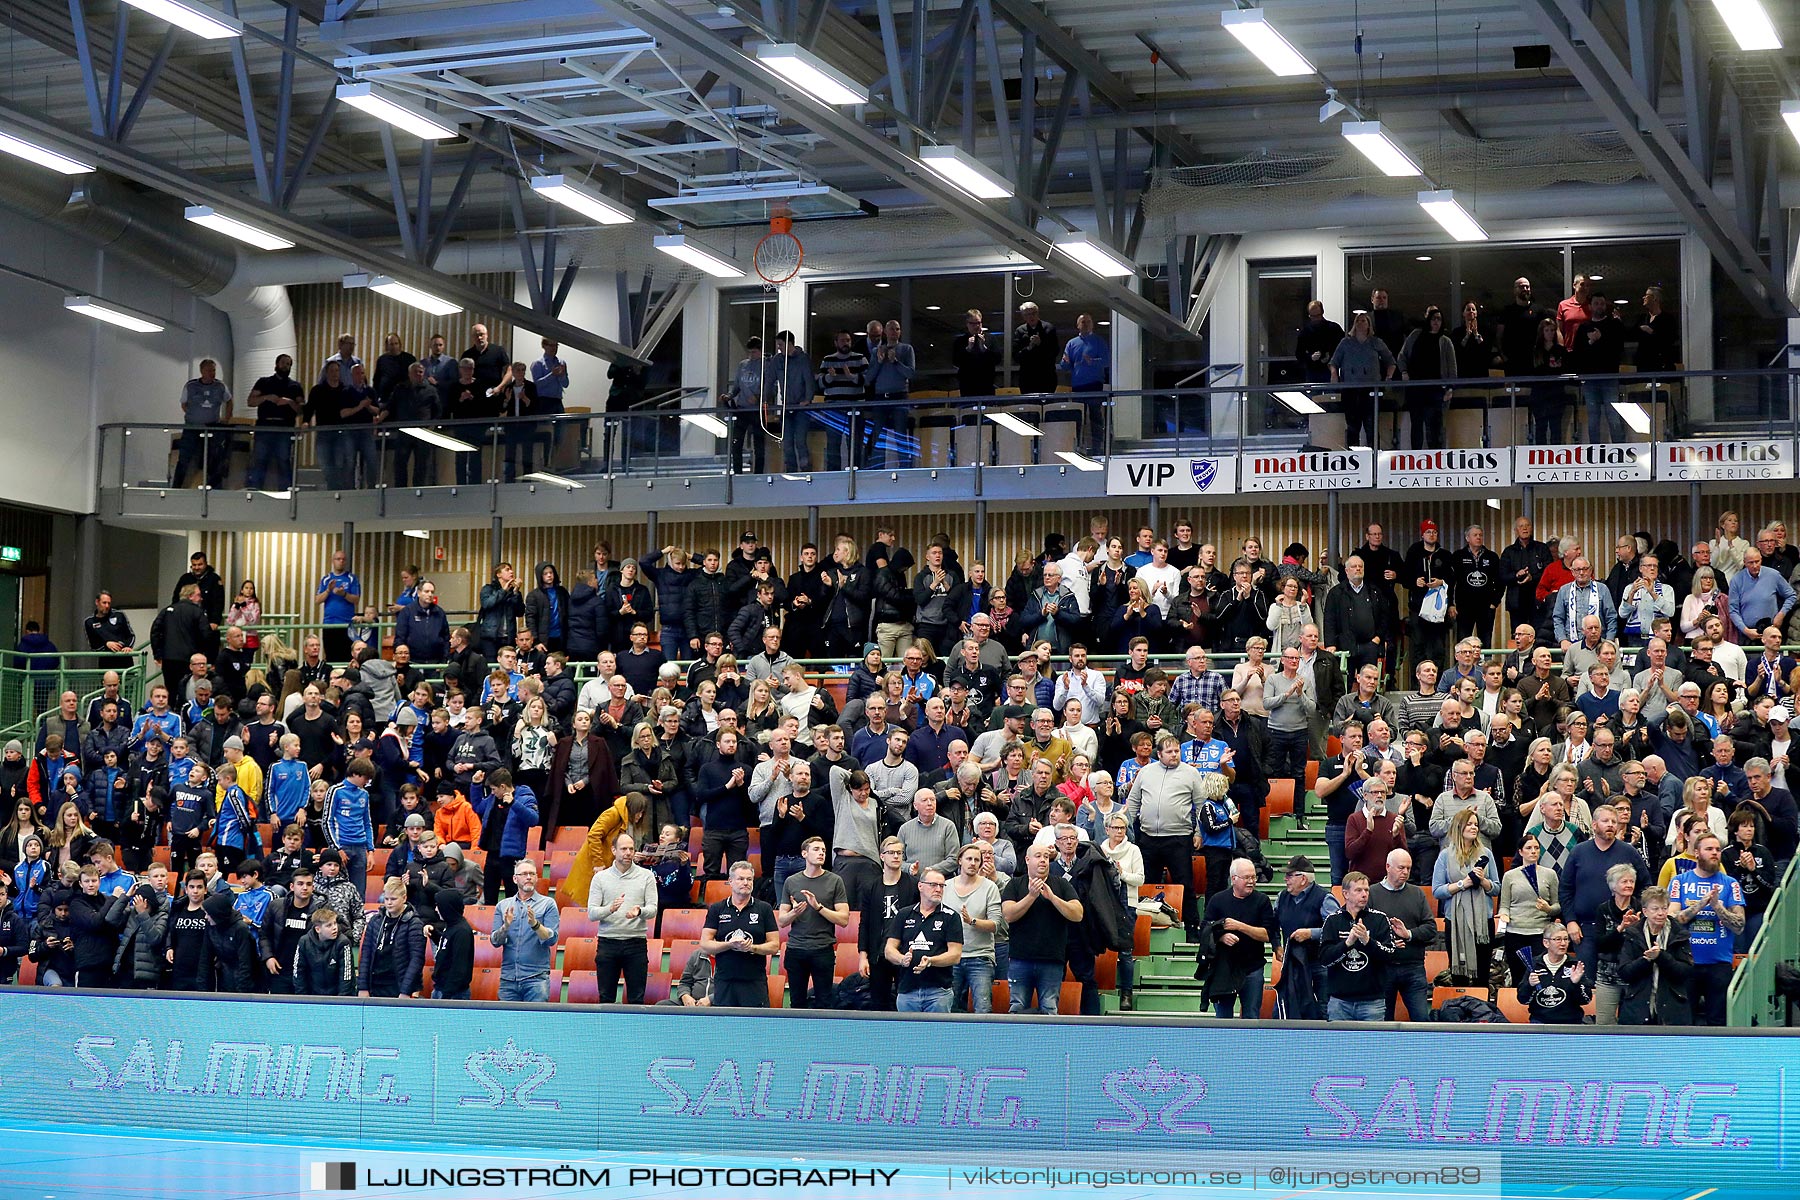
x=1170, y=363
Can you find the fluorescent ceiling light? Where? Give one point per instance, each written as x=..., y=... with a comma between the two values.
x=1380, y=149
x=197, y=19
x=414, y=120
x=811, y=74
x=231, y=227
x=676, y=245
x=413, y=297
x=1749, y=24
x=1080, y=462
x=589, y=204
x=1494, y=503
x=558, y=480
x=421, y=534
x=1442, y=207
x=951, y=164
x=442, y=441
x=1012, y=424
x=112, y=314
x=1094, y=256
x=1300, y=402
x=1790, y=112
x=1633, y=414
x=31, y=152
x=708, y=422
x=1252, y=28
x=284, y=494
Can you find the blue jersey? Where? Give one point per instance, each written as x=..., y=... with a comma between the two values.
x=287, y=788
x=1708, y=937
x=1128, y=771
x=29, y=879
x=252, y=903
x=347, y=817
x=1203, y=756
x=237, y=820
x=340, y=610
x=169, y=723
x=179, y=770
x=116, y=881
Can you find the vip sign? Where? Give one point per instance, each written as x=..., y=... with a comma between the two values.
x=1418, y=470
x=1307, y=471
x=1725, y=458
x=1614, y=463
x=1144, y=476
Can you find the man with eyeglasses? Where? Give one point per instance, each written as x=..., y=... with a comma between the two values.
x=1578, y=598
x=924, y=949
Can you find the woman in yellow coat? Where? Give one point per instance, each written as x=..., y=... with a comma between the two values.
x=596, y=853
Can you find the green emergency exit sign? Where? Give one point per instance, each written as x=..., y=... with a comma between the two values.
x=11, y=554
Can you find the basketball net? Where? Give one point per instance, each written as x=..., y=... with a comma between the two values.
x=777, y=259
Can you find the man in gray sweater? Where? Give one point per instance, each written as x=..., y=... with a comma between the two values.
x=1291, y=702
x=622, y=901
x=930, y=841
x=1415, y=931
x=1162, y=806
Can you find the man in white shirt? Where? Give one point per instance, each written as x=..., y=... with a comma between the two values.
x=1781, y=747
x=1728, y=656
x=622, y=901
x=596, y=691
x=1081, y=682
x=1161, y=580
x=1075, y=572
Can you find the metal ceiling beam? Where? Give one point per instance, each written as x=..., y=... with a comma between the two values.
x=1579, y=44
x=443, y=22
x=155, y=173
x=712, y=51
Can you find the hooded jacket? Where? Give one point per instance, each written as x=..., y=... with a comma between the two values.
x=703, y=607
x=500, y=612
x=233, y=944
x=325, y=968
x=587, y=621
x=393, y=952
x=453, y=949
x=546, y=606
x=141, y=946
x=894, y=602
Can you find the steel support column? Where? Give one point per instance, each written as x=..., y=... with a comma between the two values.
x=495, y=532
x=980, y=530
x=1332, y=525
x=1528, y=506
x=812, y=523
x=1694, y=520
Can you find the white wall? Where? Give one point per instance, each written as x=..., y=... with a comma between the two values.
x=67, y=374
x=592, y=303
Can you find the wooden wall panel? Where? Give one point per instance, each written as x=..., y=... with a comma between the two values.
x=323, y=311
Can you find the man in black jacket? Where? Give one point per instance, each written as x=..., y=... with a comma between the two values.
x=704, y=608
x=1477, y=582
x=1427, y=565
x=1358, y=615
x=894, y=605
x=287, y=920
x=179, y=632
x=809, y=599
x=212, y=596
x=1522, y=563
x=1313, y=348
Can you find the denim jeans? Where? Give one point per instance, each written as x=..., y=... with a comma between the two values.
x=1598, y=395
x=1024, y=974
x=785, y=865
x=1409, y=984
x=1340, y=857
x=271, y=461
x=976, y=975
x=356, y=865
x=530, y=991
x=1247, y=999
x=931, y=1000
x=1354, y=1010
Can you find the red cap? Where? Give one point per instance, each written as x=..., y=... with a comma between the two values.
x=1428, y=523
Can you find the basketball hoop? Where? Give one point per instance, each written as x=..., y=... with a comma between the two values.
x=779, y=253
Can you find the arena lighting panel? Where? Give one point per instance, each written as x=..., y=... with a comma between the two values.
x=1094, y=256
x=1376, y=146
x=1790, y=112
x=1251, y=27
x=112, y=314
x=43, y=156
x=952, y=165
x=558, y=480
x=1442, y=207
x=231, y=227
x=398, y=113
x=1749, y=24
x=1299, y=402
x=1012, y=424
x=1080, y=462
x=810, y=73
x=197, y=19
x=412, y=297
x=676, y=245
x=707, y=422
x=1633, y=414
x=442, y=441
x=589, y=204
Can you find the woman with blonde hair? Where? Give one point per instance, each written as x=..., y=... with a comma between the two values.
x=1728, y=549
x=1706, y=600
x=1696, y=801
x=70, y=838
x=534, y=746
x=1248, y=676
x=1463, y=882
x=761, y=715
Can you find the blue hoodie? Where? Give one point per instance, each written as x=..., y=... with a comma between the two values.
x=519, y=819
x=287, y=788
x=347, y=817
x=237, y=820
x=29, y=879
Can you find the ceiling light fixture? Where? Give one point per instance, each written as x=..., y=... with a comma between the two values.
x=708, y=422
x=1633, y=414
x=1376, y=146
x=810, y=73
x=1012, y=424
x=1749, y=24
x=1299, y=402
x=1443, y=208
x=1092, y=255
x=231, y=227
x=676, y=245
x=422, y=535
x=1790, y=112
x=442, y=441
x=1251, y=27
x=197, y=19
x=419, y=122
x=412, y=297
x=112, y=314
x=558, y=480
x=1080, y=462
x=42, y=156
x=595, y=207
x=951, y=164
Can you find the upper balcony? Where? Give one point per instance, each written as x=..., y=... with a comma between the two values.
x=1202, y=445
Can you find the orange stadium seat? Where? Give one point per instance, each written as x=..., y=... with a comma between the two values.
x=684, y=923
x=578, y=954
x=584, y=987
x=679, y=953
x=574, y=923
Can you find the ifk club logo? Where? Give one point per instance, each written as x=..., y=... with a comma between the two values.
x=334, y=1177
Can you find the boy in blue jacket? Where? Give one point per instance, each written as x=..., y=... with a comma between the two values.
x=190, y=816
x=31, y=877
x=235, y=836
x=288, y=783
x=106, y=795
x=348, y=824
x=510, y=816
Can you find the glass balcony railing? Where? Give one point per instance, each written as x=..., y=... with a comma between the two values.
x=1074, y=430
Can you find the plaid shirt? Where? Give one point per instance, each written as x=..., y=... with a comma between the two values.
x=1204, y=689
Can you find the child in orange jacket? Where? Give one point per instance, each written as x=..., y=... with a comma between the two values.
x=457, y=822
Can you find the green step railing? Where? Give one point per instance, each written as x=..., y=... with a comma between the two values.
x=1751, y=1001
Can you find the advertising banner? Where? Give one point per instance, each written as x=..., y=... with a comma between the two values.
x=1307, y=471
x=1431, y=470
x=1725, y=458
x=1144, y=475
x=1619, y=462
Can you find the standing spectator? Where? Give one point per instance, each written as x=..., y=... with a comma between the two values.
x=1572, y=311
x=345, y=359
x=1428, y=355
x=1558, y=986
x=1361, y=361
x=464, y=399
x=842, y=377
x=546, y=609
x=325, y=960
x=1162, y=808
x=1390, y=324
x=1316, y=342
x=550, y=375
x=1522, y=564
x=393, y=947
x=1546, y=360
x=1357, y=945
x=814, y=904
x=513, y=398
x=1088, y=360
x=1291, y=702
x=1428, y=567
x=622, y=901
x=391, y=368
x=975, y=357
x=525, y=925
x=212, y=594
x=1035, y=351
x=1411, y=920
x=1477, y=583
x=338, y=595
x=502, y=608
x=1760, y=599
x=1655, y=964
x=932, y=937
x=440, y=368
x=109, y=630
x=1462, y=881
x=751, y=391
x=1244, y=924
x=179, y=632
x=422, y=626
x=1596, y=348
x=1473, y=353
x=278, y=400
x=1710, y=904
x=1515, y=328
x=1041, y=912
x=491, y=361
x=740, y=934
x=890, y=376
x=206, y=419
x=348, y=825
x=415, y=398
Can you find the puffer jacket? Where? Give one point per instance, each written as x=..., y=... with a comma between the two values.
x=324, y=968
x=894, y=603
x=142, y=946
x=587, y=622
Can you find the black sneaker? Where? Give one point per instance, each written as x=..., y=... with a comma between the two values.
x=1300, y=824
x=1125, y=1002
